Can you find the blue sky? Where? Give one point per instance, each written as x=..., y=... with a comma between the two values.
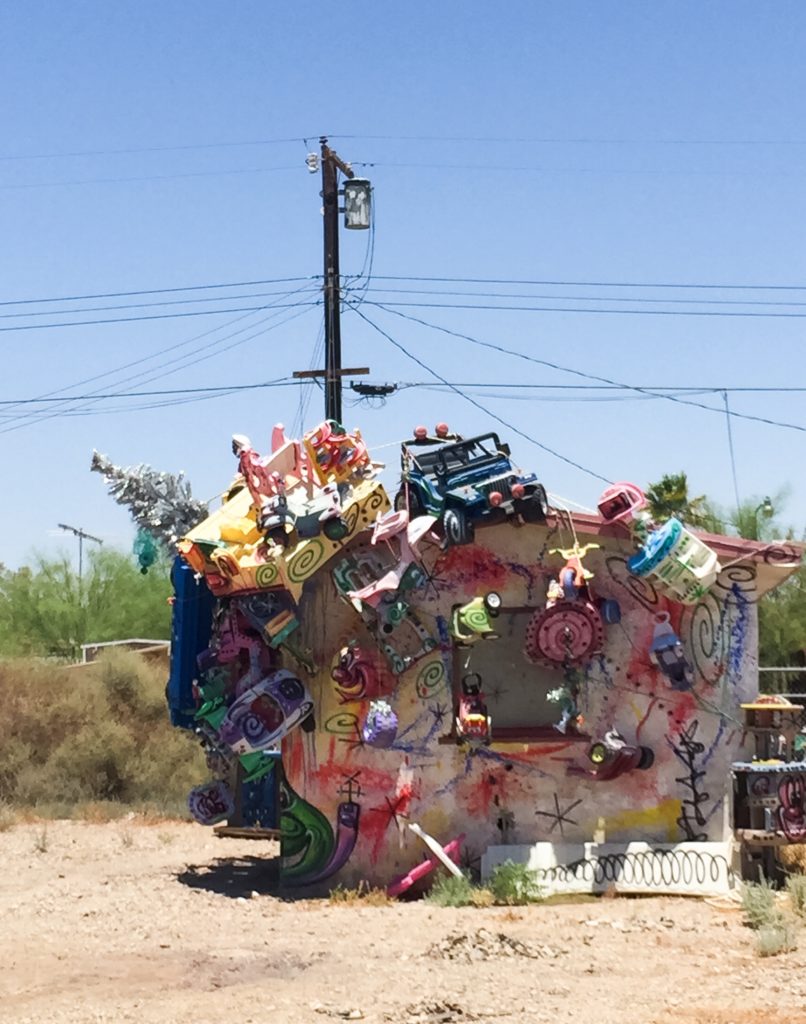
x=677, y=156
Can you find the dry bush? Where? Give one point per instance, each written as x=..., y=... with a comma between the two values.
x=796, y=890
x=8, y=816
x=779, y=936
x=363, y=895
x=93, y=741
x=793, y=857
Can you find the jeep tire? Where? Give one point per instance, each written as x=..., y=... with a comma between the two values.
x=535, y=508
x=457, y=527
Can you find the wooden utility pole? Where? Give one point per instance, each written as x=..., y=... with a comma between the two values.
x=333, y=371
x=331, y=163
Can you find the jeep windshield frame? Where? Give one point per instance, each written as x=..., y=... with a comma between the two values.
x=471, y=454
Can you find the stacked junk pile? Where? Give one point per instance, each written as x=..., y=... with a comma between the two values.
x=242, y=678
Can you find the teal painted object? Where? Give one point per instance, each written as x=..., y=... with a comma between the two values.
x=658, y=545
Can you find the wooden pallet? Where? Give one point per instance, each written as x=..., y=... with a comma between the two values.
x=245, y=832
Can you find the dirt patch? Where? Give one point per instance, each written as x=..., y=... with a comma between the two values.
x=126, y=923
x=486, y=945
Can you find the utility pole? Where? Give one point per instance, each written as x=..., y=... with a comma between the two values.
x=332, y=281
x=82, y=536
x=357, y=214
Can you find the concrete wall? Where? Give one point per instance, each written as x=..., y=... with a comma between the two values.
x=347, y=804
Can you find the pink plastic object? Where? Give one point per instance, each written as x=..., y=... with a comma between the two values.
x=409, y=534
x=621, y=501
x=278, y=438
x=424, y=868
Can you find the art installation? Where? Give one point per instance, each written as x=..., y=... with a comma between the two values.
x=331, y=651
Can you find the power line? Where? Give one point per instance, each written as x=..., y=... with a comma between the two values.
x=147, y=177
x=161, y=291
x=495, y=139
x=585, y=140
x=399, y=386
x=596, y=284
x=145, y=149
x=35, y=417
x=583, y=374
x=147, y=305
x=478, y=405
x=582, y=298
x=603, y=171
x=154, y=316
x=573, y=309
x=173, y=361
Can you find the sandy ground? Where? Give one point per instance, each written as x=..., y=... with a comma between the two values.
x=167, y=923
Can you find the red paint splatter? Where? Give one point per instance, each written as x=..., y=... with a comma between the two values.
x=641, y=724
x=469, y=563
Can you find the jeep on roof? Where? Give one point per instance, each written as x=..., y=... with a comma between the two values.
x=465, y=482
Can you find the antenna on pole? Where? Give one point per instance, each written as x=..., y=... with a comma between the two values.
x=82, y=536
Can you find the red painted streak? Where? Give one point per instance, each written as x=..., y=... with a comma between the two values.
x=469, y=563
x=641, y=724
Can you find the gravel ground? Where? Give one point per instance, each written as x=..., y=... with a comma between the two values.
x=166, y=923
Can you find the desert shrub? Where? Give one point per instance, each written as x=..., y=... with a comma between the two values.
x=452, y=891
x=514, y=885
x=8, y=816
x=363, y=893
x=778, y=936
x=77, y=738
x=793, y=857
x=133, y=686
x=758, y=904
x=796, y=888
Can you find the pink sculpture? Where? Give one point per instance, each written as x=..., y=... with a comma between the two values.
x=409, y=533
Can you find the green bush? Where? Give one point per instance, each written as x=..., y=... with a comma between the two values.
x=796, y=888
x=92, y=735
x=452, y=891
x=514, y=885
x=780, y=936
x=758, y=904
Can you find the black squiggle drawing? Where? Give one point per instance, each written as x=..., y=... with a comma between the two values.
x=687, y=750
x=641, y=589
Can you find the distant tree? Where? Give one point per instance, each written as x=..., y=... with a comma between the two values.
x=782, y=612
x=46, y=610
x=669, y=497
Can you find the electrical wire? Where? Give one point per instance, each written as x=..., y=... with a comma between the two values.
x=304, y=395
x=145, y=149
x=478, y=405
x=228, y=388
x=596, y=284
x=573, y=309
x=180, y=362
x=161, y=291
x=148, y=305
x=154, y=355
x=582, y=298
x=30, y=420
x=537, y=169
x=585, y=140
x=583, y=374
x=232, y=388
x=133, y=319
x=146, y=177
